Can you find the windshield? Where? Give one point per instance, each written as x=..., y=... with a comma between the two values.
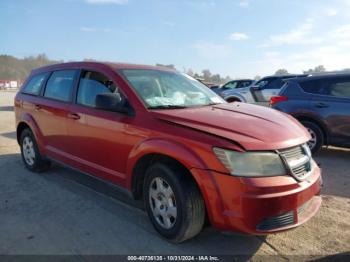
x=163, y=89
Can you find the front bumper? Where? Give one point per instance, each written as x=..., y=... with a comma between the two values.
x=260, y=205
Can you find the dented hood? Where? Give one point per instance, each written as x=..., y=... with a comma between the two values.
x=253, y=127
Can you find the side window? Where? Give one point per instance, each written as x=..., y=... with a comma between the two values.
x=340, y=88
x=266, y=83
x=90, y=85
x=313, y=87
x=34, y=85
x=60, y=84
x=231, y=85
x=274, y=84
x=245, y=84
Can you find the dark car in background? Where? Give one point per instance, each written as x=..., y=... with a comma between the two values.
x=322, y=104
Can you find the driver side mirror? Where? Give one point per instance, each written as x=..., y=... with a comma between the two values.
x=112, y=102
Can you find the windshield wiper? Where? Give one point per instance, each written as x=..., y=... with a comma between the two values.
x=167, y=107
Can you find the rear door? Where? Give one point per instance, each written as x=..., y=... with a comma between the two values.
x=333, y=104
x=52, y=109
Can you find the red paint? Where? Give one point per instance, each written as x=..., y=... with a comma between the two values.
x=108, y=145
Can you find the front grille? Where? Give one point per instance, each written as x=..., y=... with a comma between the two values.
x=302, y=171
x=298, y=160
x=283, y=220
x=292, y=153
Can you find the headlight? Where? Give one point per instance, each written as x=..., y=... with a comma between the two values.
x=251, y=164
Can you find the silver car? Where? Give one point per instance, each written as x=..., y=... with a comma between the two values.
x=258, y=92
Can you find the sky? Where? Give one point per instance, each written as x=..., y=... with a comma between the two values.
x=239, y=38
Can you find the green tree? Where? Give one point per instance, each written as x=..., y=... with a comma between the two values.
x=317, y=69
x=281, y=72
x=206, y=74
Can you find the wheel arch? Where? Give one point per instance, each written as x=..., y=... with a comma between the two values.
x=151, y=151
x=235, y=97
x=318, y=122
x=20, y=127
x=27, y=121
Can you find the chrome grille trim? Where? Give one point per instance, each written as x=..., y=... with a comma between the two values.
x=297, y=160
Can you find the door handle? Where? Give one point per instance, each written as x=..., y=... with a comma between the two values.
x=37, y=107
x=73, y=116
x=321, y=105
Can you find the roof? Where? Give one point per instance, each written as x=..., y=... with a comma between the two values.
x=286, y=76
x=243, y=79
x=321, y=76
x=98, y=64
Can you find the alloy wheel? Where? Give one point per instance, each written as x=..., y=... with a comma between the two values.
x=163, y=203
x=28, y=151
x=313, y=141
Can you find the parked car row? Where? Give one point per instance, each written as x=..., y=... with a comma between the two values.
x=321, y=103
x=167, y=140
x=250, y=91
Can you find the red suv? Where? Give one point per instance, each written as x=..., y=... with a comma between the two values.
x=171, y=141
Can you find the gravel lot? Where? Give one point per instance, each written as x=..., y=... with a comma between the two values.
x=64, y=212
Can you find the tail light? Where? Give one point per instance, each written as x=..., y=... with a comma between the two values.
x=276, y=99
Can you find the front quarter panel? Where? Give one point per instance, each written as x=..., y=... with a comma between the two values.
x=173, y=149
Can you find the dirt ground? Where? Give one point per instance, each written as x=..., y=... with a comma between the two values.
x=64, y=212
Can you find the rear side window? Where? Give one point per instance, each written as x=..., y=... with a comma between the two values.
x=34, y=85
x=92, y=84
x=273, y=84
x=270, y=83
x=60, y=84
x=245, y=84
x=313, y=87
x=329, y=87
x=339, y=88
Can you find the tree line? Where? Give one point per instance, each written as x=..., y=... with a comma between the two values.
x=205, y=75
x=12, y=68
x=312, y=71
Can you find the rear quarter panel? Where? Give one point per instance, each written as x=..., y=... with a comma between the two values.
x=298, y=102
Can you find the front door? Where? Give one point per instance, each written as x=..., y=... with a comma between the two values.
x=98, y=139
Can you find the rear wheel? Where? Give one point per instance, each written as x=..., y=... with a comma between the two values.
x=173, y=202
x=317, y=138
x=30, y=152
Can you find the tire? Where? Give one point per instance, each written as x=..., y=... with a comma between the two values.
x=189, y=218
x=31, y=156
x=317, y=136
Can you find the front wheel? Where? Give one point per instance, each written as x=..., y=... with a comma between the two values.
x=173, y=202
